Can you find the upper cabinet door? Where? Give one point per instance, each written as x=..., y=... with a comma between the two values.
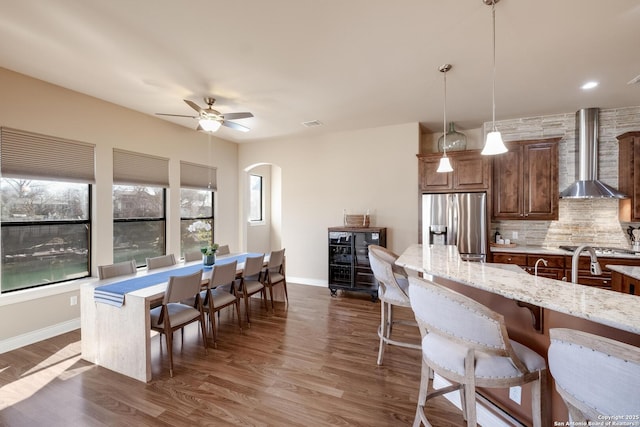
x=629, y=176
x=525, y=181
x=471, y=171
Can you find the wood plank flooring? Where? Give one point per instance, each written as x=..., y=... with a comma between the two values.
x=309, y=363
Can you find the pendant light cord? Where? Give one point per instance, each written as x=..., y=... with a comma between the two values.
x=493, y=15
x=444, y=115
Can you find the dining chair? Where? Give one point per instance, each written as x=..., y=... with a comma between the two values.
x=117, y=269
x=223, y=250
x=221, y=293
x=392, y=291
x=597, y=377
x=192, y=256
x=274, y=274
x=467, y=344
x=173, y=314
x=250, y=282
x=161, y=261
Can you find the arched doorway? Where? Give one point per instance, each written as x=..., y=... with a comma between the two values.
x=262, y=233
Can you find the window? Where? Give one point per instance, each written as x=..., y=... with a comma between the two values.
x=198, y=183
x=45, y=213
x=139, y=219
x=139, y=223
x=196, y=219
x=256, y=211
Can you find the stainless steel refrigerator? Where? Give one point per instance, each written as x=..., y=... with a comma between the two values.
x=456, y=219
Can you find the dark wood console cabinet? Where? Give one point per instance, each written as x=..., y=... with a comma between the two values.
x=349, y=268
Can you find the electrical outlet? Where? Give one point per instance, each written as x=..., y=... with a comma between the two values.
x=73, y=300
x=514, y=235
x=515, y=394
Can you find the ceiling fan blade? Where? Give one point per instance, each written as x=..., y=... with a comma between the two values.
x=193, y=105
x=235, y=126
x=236, y=116
x=175, y=115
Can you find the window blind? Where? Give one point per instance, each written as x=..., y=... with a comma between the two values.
x=198, y=177
x=31, y=155
x=138, y=168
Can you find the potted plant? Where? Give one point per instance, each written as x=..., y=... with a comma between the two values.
x=209, y=254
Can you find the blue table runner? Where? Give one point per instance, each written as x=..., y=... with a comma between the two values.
x=114, y=293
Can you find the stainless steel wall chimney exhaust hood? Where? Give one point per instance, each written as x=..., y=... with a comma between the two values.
x=587, y=185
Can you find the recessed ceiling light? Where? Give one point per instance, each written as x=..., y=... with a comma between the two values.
x=634, y=80
x=312, y=123
x=589, y=85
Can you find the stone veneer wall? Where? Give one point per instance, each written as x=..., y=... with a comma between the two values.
x=590, y=221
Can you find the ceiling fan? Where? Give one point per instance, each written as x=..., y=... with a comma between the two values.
x=210, y=120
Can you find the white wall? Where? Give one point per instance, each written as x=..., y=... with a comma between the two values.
x=37, y=106
x=373, y=169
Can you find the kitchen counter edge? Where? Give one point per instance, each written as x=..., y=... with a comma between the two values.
x=618, y=310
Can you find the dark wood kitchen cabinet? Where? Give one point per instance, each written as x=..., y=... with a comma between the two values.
x=559, y=267
x=555, y=268
x=629, y=176
x=471, y=171
x=525, y=181
x=625, y=284
x=604, y=280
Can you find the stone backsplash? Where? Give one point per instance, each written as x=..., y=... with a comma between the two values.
x=591, y=221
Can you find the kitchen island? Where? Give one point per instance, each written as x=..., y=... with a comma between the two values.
x=562, y=304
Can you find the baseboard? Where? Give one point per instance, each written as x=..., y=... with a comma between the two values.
x=306, y=281
x=488, y=414
x=39, y=335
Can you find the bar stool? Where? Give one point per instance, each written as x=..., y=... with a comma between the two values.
x=467, y=344
x=596, y=377
x=392, y=291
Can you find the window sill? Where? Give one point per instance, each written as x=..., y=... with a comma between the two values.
x=41, y=292
x=256, y=223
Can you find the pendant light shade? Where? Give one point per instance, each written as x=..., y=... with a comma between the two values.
x=445, y=164
x=493, y=144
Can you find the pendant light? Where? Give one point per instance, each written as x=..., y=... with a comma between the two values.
x=445, y=164
x=494, y=144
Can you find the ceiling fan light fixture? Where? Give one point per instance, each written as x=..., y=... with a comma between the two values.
x=209, y=125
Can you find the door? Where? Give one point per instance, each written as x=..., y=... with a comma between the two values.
x=472, y=225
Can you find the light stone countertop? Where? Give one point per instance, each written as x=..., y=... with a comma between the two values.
x=615, y=309
x=545, y=250
x=628, y=270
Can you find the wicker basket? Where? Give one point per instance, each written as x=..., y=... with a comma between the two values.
x=356, y=220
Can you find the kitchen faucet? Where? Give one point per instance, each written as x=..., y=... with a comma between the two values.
x=595, y=265
x=541, y=260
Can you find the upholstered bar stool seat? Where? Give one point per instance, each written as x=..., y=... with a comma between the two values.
x=597, y=377
x=467, y=344
x=393, y=289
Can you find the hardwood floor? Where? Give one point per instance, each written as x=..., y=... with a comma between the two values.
x=311, y=363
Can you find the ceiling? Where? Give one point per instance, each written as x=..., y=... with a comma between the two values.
x=349, y=64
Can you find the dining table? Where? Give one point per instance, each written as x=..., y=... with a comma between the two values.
x=115, y=321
